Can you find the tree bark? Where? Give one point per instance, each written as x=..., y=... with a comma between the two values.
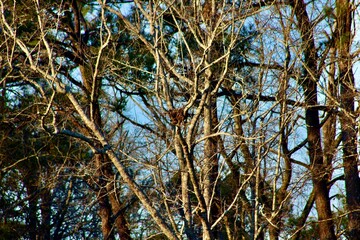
x=249, y=164
x=108, y=202
x=31, y=217
x=309, y=84
x=210, y=169
x=103, y=199
x=30, y=176
x=45, y=208
x=118, y=211
x=186, y=204
x=348, y=116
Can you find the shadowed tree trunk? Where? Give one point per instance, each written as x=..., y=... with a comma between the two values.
x=309, y=81
x=348, y=116
x=109, y=204
x=45, y=208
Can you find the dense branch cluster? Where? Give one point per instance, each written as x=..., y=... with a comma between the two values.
x=179, y=120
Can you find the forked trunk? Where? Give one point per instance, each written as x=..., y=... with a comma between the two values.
x=309, y=80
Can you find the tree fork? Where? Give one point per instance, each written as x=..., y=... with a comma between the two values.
x=309, y=85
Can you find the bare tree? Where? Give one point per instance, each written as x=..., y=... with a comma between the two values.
x=348, y=115
x=203, y=120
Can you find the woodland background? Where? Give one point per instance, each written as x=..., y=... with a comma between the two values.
x=178, y=119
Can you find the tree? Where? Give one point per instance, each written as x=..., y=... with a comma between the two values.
x=187, y=119
x=348, y=115
x=51, y=108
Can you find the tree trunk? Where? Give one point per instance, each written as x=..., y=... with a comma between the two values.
x=249, y=165
x=319, y=170
x=45, y=213
x=210, y=169
x=348, y=116
x=31, y=190
x=186, y=205
x=92, y=86
x=30, y=176
x=108, y=202
x=118, y=211
x=103, y=200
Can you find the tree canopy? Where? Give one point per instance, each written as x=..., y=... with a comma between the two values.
x=179, y=120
